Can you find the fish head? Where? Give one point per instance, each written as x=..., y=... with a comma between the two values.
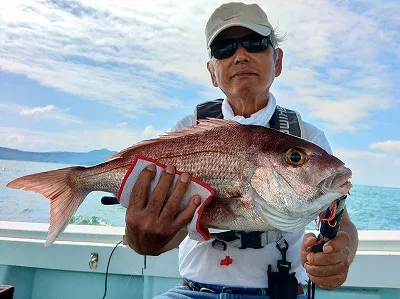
x=297, y=178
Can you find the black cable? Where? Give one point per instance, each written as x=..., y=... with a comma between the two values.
x=313, y=290
x=310, y=290
x=108, y=264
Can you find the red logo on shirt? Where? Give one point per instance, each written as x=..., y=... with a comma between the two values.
x=226, y=261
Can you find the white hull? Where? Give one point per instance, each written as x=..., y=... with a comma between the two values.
x=62, y=270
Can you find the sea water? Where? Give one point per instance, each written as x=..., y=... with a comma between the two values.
x=370, y=207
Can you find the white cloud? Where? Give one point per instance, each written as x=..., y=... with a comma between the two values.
x=122, y=125
x=357, y=155
x=82, y=140
x=150, y=132
x=129, y=54
x=372, y=168
x=13, y=139
x=123, y=60
x=390, y=146
x=38, y=113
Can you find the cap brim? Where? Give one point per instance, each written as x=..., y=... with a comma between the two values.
x=260, y=29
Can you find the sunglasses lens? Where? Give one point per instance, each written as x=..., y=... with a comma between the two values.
x=255, y=45
x=223, y=49
x=226, y=48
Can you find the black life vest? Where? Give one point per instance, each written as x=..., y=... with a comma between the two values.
x=285, y=120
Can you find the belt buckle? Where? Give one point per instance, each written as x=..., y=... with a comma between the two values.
x=207, y=290
x=252, y=239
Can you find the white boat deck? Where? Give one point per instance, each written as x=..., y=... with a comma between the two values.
x=62, y=270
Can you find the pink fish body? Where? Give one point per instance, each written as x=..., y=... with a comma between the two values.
x=263, y=179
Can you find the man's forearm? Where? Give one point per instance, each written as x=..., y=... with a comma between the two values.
x=174, y=243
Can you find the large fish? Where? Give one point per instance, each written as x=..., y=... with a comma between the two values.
x=263, y=179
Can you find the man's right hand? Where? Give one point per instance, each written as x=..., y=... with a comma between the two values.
x=152, y=223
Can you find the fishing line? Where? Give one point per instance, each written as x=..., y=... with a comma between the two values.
x=108, y=265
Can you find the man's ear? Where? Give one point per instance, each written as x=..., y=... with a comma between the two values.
x=210, y=68
x=278, y=61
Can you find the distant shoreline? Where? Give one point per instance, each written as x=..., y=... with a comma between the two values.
x=82, y=158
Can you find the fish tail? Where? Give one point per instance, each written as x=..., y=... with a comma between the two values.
x=63, y=191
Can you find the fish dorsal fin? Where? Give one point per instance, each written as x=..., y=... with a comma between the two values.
x=202, y=126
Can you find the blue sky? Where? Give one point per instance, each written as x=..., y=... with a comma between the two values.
x=83, y=75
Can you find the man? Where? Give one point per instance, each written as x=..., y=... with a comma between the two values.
x=244, y=61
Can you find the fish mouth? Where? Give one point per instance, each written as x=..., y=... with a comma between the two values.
x=338, y=182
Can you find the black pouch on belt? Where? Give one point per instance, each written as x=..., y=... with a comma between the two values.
x=281, y=284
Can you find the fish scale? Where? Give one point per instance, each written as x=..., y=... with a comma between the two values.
x=225, y=181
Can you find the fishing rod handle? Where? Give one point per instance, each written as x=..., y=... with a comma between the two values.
x=330, y=228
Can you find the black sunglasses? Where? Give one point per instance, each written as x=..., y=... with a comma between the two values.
x=253, y=43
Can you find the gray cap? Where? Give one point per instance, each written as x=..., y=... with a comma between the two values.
x=232, y=14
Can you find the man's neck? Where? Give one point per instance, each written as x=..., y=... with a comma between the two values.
x=247, y=105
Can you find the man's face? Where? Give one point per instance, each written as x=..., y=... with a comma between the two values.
x=244, y=73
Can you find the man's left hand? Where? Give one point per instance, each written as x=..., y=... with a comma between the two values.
x=327, y=269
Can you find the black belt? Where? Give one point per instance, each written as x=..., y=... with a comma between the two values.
x=216, y=289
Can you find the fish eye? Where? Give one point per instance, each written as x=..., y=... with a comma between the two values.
x=295, y=157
